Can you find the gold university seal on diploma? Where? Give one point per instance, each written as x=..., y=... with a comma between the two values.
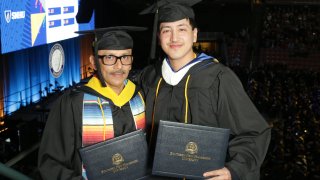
x=117, y=159
x=191, y=148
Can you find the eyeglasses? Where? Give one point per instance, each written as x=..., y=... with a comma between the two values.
x=111, y=59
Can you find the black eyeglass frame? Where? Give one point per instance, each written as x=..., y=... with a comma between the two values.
x=117, y=57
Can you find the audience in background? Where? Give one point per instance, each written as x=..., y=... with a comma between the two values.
x=291, y=27
x=290, y=102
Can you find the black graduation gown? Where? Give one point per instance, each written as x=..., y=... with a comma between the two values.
x=58, y=156
x=216, y=98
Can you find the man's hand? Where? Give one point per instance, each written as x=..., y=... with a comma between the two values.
x=220, y=174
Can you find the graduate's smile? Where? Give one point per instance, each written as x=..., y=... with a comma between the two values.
x=175, y=46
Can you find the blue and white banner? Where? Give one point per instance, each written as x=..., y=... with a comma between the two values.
x=29, y=23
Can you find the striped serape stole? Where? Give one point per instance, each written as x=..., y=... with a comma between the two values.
x=97, y=120
x=138, y=111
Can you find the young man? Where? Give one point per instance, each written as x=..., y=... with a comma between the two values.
x=195, y=88
x=109, y=105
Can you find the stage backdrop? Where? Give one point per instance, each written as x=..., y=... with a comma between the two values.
x=27, y=74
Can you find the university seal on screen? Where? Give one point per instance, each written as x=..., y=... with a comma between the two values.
x=56, y=60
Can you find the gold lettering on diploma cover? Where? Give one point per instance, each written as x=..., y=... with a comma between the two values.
x=119, y=164
x=191, y=150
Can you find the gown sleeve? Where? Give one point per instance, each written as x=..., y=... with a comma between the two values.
x=250, y=133
x=58, y=156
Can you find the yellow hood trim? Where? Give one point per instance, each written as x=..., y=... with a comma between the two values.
x=119, y=100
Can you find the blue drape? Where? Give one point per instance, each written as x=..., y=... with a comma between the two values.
x=28, y=74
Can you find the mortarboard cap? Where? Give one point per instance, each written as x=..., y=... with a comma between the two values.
x=172, y=10
x=113, y=38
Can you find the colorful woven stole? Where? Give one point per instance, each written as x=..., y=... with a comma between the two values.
x=138, y=111
x=98, y=124
x=97, y=119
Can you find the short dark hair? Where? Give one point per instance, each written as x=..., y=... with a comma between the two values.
x=193, y=23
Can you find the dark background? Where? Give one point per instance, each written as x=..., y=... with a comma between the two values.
x=211, y=16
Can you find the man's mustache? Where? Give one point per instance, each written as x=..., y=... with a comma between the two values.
x=118, y=71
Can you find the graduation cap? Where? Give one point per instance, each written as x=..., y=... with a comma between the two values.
x=172, y=10
x=168, y=11
x=111, y=38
